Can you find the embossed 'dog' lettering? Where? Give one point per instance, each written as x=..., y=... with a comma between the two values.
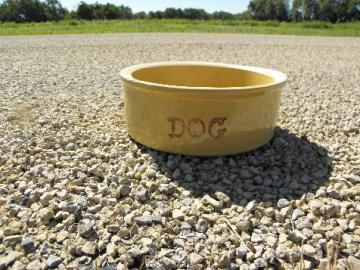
x=197, y=128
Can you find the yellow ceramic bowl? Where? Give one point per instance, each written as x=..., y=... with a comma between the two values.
x=200, y=108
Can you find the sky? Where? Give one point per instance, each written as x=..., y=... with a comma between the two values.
x=233, y=6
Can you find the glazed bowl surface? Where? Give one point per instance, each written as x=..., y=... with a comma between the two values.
x=201, y=108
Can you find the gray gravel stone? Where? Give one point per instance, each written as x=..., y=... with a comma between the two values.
x=12, y=240
x=260, y=263
x=89, y=248
x=124, y=190
x=44, y=247
x=244, y=173
x=28, y=245
x=346, y=238
x=61, y=236
x=86, y=230
x=241, y=251
x=296, y=236
x=178, y=214
x=309, y=250
x=282, y=203
x=111, y=250
x=53, y=261
x=251, y=206
x=7, y=260
x=353, y=178
x=186, y=226
x=211, y=201
x=224, y=261
x=168, y=263
x=256, y=238
x=294, y=255
x=143, y=195
x=34, y=265
x=302, y=223
x=144, y=219
x=112, y=228
x=196, y=258
x=316, y=206
x=201, y=225
x=176, y=174
x=296, y=214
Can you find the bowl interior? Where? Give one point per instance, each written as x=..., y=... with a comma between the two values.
x=201, y=76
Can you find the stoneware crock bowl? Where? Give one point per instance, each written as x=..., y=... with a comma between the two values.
x=200, y=108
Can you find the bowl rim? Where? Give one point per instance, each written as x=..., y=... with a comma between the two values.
x=279, y=78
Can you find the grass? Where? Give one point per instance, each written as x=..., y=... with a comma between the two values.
x=195, y=26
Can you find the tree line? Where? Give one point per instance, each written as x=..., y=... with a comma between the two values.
x=305, y=10
x=281, y=10
x=32, y=11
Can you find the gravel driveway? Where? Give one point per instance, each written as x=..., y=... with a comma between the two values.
x=76, y=191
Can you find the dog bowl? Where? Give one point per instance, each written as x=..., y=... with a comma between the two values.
x=200, y=108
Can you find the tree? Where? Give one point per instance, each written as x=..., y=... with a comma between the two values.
x=54, y=10
x=97, y=11
x=51, y=10
x=195, y=14
x=85, y=11
x=23, y=11
x=328, y=10
x=282, y=10
x=269, y=9
x=110, y=12
x=257, y=9
x=246, y=15
x=4, y=12
x=353, y=9
x=140, y=15
x=155, y=15
x=297, y=11
x=32, y=11
x=101, y=12
x=170, y=13
x=307, y=10
x=339, y=10
x=72, y=15
x=311, y=10
x=222, y=15
x=125, y=12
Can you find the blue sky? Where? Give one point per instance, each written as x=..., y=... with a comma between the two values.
x=233, y=6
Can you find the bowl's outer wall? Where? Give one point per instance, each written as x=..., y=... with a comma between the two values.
x=201, y=124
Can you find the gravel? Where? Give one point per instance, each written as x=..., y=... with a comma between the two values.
x=77, y=192
x=53, y=261
x=28, y=245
